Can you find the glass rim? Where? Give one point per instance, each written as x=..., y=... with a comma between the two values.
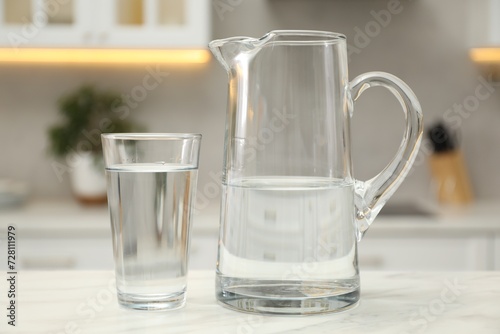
x=151, y=136
x=292, y=37
x=318, y=35
x=303, y=37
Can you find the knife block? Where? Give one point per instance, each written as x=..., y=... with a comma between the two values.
x=450, y=173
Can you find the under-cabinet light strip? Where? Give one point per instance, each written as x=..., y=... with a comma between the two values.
x=103, y=56
x=485, y=55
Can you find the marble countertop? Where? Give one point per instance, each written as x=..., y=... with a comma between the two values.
x=391, y=303
x=67, y=218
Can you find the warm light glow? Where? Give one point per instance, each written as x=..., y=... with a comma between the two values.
x=485, y=55
x=104, y=56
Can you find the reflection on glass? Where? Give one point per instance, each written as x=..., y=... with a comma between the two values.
x=130, y=12
x=59, y=12
x=17, y=11
x=171, y=12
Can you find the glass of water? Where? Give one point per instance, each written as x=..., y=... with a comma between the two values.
x=151, y=188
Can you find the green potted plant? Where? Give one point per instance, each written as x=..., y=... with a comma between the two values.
x=76, y=140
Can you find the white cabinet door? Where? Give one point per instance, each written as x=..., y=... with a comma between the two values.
x=496, y=252
x=431, y=254
x=156, y=23
x=65, y=254
x=437, y=254
x=54, y=23
x=91, y=253
x=203, y=252
x=105, y=24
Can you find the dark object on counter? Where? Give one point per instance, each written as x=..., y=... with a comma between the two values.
x=441, y=138
x=448, y=167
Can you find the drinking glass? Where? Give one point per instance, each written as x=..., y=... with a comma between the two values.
x=151, y=181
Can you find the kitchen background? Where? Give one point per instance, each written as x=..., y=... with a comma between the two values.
x=426, y=44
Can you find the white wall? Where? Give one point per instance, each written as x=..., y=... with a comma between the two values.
x=425, y=44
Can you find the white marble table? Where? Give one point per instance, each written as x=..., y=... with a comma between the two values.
x=403, y=303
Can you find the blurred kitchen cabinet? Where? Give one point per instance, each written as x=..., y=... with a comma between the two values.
x=105, y=24
x=37, y=23
x=93, y=253
x=155, y=23
x=483, y=24
x=497, y=252
x=65, y=253
x=483, y=30
x=438, y=254
x=203, y=252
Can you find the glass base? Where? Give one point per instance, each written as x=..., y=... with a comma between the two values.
x=287, y=297
x=152, y=302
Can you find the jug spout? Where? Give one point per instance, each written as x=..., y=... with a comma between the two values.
x=227, y=50
x=230, y=49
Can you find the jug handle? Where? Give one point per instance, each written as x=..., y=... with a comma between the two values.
x=370, y=196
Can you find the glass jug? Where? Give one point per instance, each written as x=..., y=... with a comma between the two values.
x=291, y=212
